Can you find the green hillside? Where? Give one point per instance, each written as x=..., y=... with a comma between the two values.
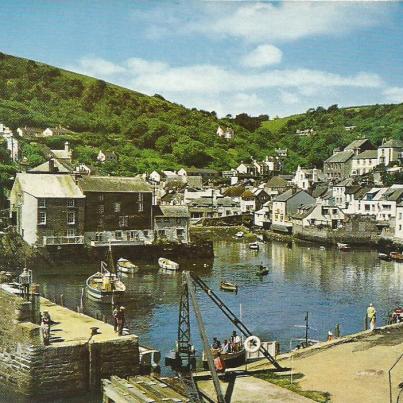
x=149, y=132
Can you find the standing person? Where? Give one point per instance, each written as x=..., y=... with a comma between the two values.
x=121, y=320
x=45, y=325
x=25, y=281
x=235, y=341
x=219, y=363
x=371, y=315
x=115, y=318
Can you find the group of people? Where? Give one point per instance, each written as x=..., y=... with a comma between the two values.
x=231, y=345
x=119, y=319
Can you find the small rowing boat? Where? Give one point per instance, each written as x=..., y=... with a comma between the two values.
x=167, y=264
x=384, y=256
x=263, y=271
x=343, y=246
x=126, y=266
x=397, y=256
x=227, y=286
x=254, y=245
x=239, y=234
x=231, y=360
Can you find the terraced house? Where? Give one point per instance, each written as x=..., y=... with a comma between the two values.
x=48, y=209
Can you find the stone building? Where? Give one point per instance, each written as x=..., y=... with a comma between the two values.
x=117, y=210
x=171, y=223
x=48, y=209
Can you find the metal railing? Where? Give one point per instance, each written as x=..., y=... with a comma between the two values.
x=63, y=240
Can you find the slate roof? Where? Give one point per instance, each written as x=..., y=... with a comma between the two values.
x=392, y=143
x=356, y=144
x=345, y=182
x=195, y=182
x=367, y=154
x=303, y=211
x=234, y=191
x=342, y=156
x=173, y=211
x=395, y=195
x=319, y=191
x=247, y=195
x=49, y=185
x=276, y=182
x=44, y=168
x=286, y=195
x=113, y=184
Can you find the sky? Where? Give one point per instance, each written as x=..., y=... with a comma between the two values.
x=275, y=58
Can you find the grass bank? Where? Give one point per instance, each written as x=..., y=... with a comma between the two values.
x=220, y=233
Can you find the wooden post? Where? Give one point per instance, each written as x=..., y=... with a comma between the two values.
x=61, y=299
x=366, y=323
x=337, y=330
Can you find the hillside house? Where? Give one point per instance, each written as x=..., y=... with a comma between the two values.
x=262, y=217
x=285, y=205
x=107, y=156
x=359, y=145
x=48, y=209
x=399, y=222
x=64, y=155
x=338, y=166
x=305, y=178
x=226, y=133
x=390, y=151
x=171, y=223
x=118, y=210
x=52, y=166
x=276, y=185
x=364, y=162
x=205, y=173
x=318, y=215
x=246, y=169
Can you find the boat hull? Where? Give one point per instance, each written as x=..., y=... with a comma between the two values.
x=103, y=296
x=229, y=287
x=231, y=360
x=168, y=265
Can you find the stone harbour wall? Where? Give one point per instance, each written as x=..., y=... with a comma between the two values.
x=30, y=368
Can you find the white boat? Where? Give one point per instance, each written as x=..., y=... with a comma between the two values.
x=239, y=234
x=105, y=286
x=167, y=264
x=254, y=245
x=343, y=246
x=126, y=266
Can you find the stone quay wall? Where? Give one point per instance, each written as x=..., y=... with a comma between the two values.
x=32, y=369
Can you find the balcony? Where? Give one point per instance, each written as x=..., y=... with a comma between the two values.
x=120, y=238
x=63, y=240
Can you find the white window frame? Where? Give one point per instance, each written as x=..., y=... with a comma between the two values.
x=116, y=207
x=71, y=232
x=71, y=203
x=71, y=214
x=40, y=216
x=42, y=203
x=123, y=221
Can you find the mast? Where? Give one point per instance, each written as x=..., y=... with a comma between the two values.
x=109, y=260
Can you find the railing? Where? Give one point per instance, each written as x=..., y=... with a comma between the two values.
x=63, y=240
x=125, y=237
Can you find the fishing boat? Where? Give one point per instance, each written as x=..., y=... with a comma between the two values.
x=167, y=264
x=239, y=234
x=231, y=360
x=384, y=256
x=263, y=271
x=126, y=266
x=254, y=245
x=343, y=246
x=397, y=256
x=105, y=286
x=227, y=286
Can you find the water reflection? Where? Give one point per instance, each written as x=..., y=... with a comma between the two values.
x=335, y=287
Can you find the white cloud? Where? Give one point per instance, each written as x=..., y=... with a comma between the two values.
x=289, y=98
x=227, y=90
x=98, y=67
x=393, y=94
x=263, y=55
x=287, y=21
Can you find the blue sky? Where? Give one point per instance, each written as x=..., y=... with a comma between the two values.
x=277, y=58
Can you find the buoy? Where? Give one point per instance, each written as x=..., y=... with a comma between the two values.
x=252, y=344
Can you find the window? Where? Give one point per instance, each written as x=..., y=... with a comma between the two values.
x=140, y=202
x=71, y=232
x=367, y=207
x=119, y=234
x=71, y=217
x=42, y=203
x=101, y=197
x=116, y=207
x=71, y=202
x=42, y=217
x=123, y=221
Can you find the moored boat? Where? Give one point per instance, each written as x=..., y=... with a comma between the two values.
x=262, y=271
x=126, y=266
x=105, y=286
x=397, y=256
x=231, y=360
x=239, y=234
x=227, y=286
x=167, y=264
x=343, y=246
x=254, y=245
x=384, y=256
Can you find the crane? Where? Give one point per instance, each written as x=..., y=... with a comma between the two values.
x=183, y=359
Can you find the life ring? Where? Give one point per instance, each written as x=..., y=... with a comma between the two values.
x=252, y=344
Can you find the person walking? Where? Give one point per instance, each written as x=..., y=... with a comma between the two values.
x=115, y=318
x=371, y=315
x=120, y=319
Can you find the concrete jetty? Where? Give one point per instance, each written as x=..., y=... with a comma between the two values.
x=75, y=361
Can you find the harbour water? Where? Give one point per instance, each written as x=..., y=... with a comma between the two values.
x=334, y=287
